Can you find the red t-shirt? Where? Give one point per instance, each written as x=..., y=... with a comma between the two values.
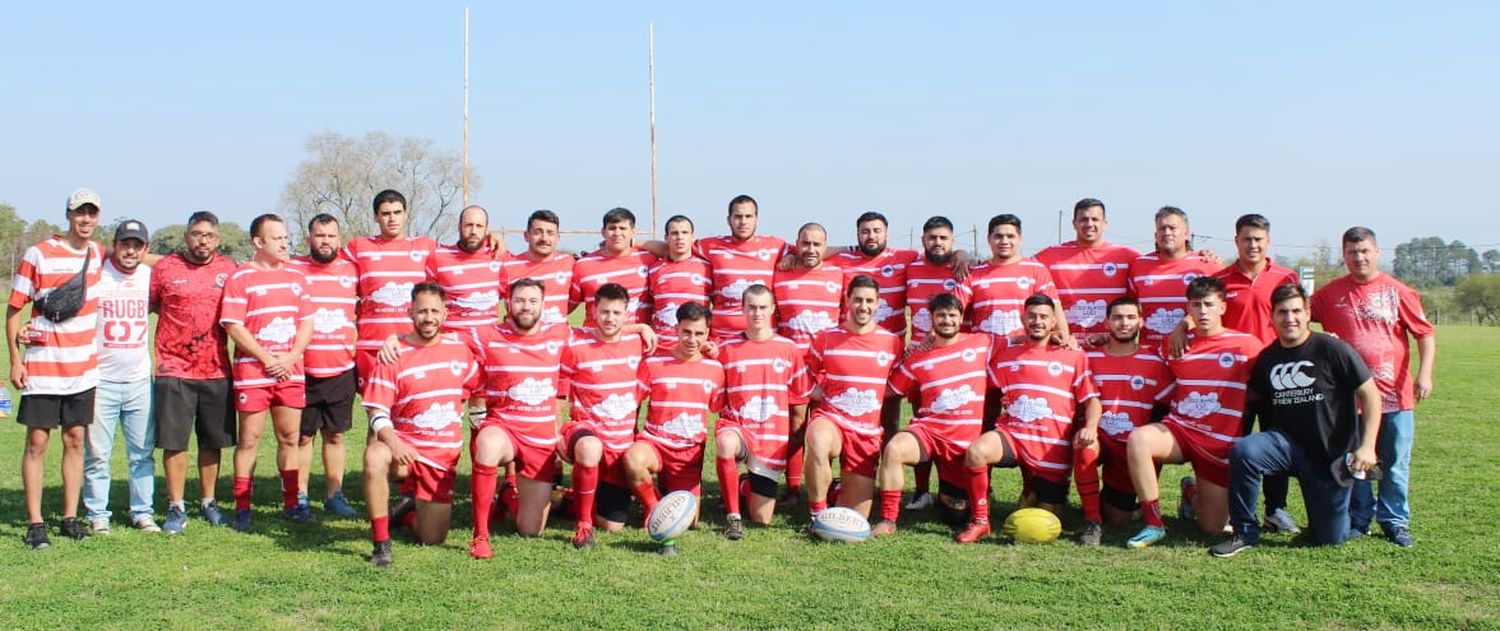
x=1042, y=387
x=521, y=378
x=331, y=289
x=1161, y=286
x=807, y=301
x=190, y=344
x=889, y=271
x=762, y=381
x=604, y=390
x=1087, y=279
x=683, y=394
x=671, y=285
x=1130, y=387
x=1376, y=318
x=388, y=268
x=853, y=369
x=425, y=393
x=736, y=265
x=472, y=280
x=1247, y=301
x=271, y=304
x=629, y=270
x=949, y=382
x=1211, y=378
x=556, y=274
x=1000, y=291
x=924, y=281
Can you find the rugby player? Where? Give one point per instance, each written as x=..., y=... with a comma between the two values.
x=469, y=273
x=1158, y=278
x=886, y=266
x=1089, y=271
x=1002, y=284
x=388, y=266
x=543, y=262
x=808, y=296
x=618, y=262
x=738, y=260
x=676, y=279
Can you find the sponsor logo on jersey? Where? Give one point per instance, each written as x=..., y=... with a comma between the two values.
x=533, y=391
x=1115, y=423
x=1198, y=405
x=615, y=407
x=1028, y=409
x=278, y=331
x=951, y=399
x=1087, y=313
x=759, y=409
x=855, y=402
x=437, y=416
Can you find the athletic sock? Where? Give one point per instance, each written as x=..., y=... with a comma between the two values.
x=241, y=493
x=646, y=491
x=484, y=480
x=290, y=488
x=729, y=483
x=794, y=466
x=1151, y=512
x=178, y=504
x=890, y=504
x=380, y=528
x=922, y=472
x=1086, y=477
x=813, y=508
x=979, y=494
x=585, y=485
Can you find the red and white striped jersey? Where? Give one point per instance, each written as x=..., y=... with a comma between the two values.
x=472, y=280
x=683, y=394
x=521, y=378
x=61, y=357
x=1161, y=286
x=425, y=393
x=671, y=285
x=1087, y=280
x=628, y=270
x=1042, y=387
x=556, y=274
x=605, y=391
x=388, y=268
x=946, y=385
x=331, y=288
x=889, y=271
x=807, y=301
x=853, y=369
x=924, y=281
x=1000, y=291
x=1130, y=387
x=1211, y=375
x=271, y=304
x=736, y=265
x=762, y=380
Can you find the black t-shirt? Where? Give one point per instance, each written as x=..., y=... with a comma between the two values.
x=1308, y=393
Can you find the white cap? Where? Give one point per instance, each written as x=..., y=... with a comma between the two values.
x=83, y=196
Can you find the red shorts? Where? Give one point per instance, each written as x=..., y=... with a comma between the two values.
x=609, y=461
x=945, y=455
x=364, y=362
x=433, y=484
x=290, y=394
x=681, y=469
x=762, y=457
x=1116, y=468
x=532, y=462
x=1209, y=456
x=1039, y=460
x=858, y=454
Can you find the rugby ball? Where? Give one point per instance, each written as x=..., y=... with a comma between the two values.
x=1032, y=525
x=841, y=523
x=673, y=515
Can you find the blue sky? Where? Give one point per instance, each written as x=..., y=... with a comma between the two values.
x=1318, y=115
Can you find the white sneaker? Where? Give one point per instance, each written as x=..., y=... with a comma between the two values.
x=99, y=526
x=146, y=523
x=1281, y=521
x=921, y=501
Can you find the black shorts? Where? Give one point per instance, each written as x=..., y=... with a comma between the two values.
x=47, y=411
x=184, y=407
x=762, y=485
x=1124, y=502
x=330, y=404
x=1049, y=492
x=612, y=502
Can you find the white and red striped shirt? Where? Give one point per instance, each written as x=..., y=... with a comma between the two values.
x=999, y=293
x=737, y=265
x=124, y=324
x=950, y=382
x=853, y=369
x=556, y=274
x=388, y=269
x=472, y=281
x=1130, y=387
x=521, y=378
x=331, y=288
x=1087, y=279
x=605, y=392
x=925, y=281
x=762, y=380
x=683, y=394
x=808, y=301
x=1161, y=286
x=1211, y=375
x=425, y=393
x=61, y=357
x=673, y=284
x=271, y=304
x=889, y=271
x=1042, y=387
x=629, y=270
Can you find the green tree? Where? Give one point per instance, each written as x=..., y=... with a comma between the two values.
x=234, y=240
x=1429, y=262
x=1479, y=295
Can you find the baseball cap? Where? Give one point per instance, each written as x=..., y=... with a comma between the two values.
x=83, y=196
x=132, y=229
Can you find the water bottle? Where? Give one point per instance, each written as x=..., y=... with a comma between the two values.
x=4, y=401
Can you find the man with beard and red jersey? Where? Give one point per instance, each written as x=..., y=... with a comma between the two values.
x=850, y=364
x=389, y=265
x=1002, y=284
x=1089, y=272
x=601, y=364
x=738, y=260
x=677, y=279
x=1208, y=408
x=809, y=295
x=329, y=359
x=618, y=262
x=1133, y=383
x=766, y=387
x=886, y=266
x=542, y=261
x=1042, y=386
x=268, y=314
x=469, y=273
x=945, y=381
x=416, y=407
x=1158, y=279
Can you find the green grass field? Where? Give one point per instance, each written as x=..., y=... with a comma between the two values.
x=316, y=576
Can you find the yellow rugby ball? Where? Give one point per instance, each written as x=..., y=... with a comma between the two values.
x=1032, y=525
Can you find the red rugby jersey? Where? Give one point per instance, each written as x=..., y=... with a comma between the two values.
x=629, y=270
x=556, y=274
x=1042, y=388
x=853, y=370
x=807, y=301
x=671, y=285
x=1130, y=387
x=1161, y=286
x=63, y=358
x=999, y=291
x=762, y=381
x=331, y=288
x=388, y=268
x=472, y=280
x=949, y=382
x=736, y=265
x=683, y=394
x=889, y=271
x=1247, y=301
x=603, y=378
x=1375, y=318
x=925, y=281
x=1211, y=375
x=521, y=378
x=271, y=304
x=425, y=394
x=190, y=344
x=1087, y=279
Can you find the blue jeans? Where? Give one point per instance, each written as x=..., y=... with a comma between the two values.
x=1393, y=448
x=128, y=405
x=1271, y=453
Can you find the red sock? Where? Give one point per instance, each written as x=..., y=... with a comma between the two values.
x=483, y=481
x=979, y=494
x=816, y=507
x=922, y=471
x=890, y=504
x=289, y=488
x=241, y=493
x=1086, y=477
x=646, y=491
x=794, y=465
x=380, y=528
x=729, y=482
x=1151, y=512
x=585, y=485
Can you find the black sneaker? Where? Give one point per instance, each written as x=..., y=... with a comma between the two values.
x=1093, y=533
x=73, y=529
x=381, y=556
x=36, y=536
x=734, y=528
x=1230, y=547
x=1400, y=536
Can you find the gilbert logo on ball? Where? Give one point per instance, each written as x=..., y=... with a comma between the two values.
x=672, y=516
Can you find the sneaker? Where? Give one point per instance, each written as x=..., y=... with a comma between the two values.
x=146, y=523
x=1401, y=536
x=1231, y=546
x=920, y=501
x=100, y=526
x=583, y=537
x=479, y=548
x=1146, y=537
x=72, y=529
x=210, y=512
x=1281, y=521
x=1189, y=487
x=1092, y=535
x=301, y=513
x=883, y=528
x=339, y=505
x=302, y=499
x=734, y=528
x=36, y=536
x=176, y=520
x=668, y=548
x=381, y=556
x=242, y=520
x=1354, y=533
x=977, y=530
x=403, y=507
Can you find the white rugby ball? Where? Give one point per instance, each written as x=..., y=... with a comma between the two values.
x=841, y=523
x=672, y=516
